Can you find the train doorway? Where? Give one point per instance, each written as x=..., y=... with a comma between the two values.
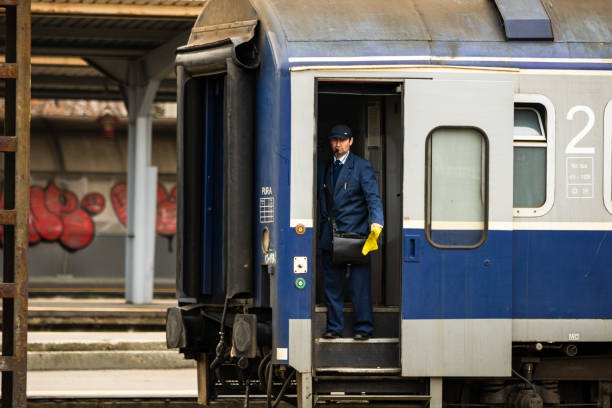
x=373, y=111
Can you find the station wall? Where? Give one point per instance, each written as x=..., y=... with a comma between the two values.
x=78, y=205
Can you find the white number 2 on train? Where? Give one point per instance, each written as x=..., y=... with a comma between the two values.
x=571, y=146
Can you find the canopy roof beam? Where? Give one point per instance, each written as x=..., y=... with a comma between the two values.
x=131, y=10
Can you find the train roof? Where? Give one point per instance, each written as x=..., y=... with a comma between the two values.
x=354, y=30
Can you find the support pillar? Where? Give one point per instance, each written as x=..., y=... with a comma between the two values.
x=605, y=394
x=304, y=390
x=202, y=371
x=140, y=80
x=141, y=190
x=435, y=392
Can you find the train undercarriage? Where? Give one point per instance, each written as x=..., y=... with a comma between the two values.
x=238, y=362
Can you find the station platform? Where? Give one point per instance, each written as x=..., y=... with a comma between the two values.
x=117, y=350
x=161, y=383
x=103, y=348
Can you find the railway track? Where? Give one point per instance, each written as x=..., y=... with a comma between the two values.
x=225, y=403
x=141, y=403
x=112, y=402
x=61, y=313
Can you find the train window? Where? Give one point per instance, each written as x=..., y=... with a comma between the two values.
x=529, y=158
x=457, y=192
x=528, y=124
x=533, y=188
x=607, y=178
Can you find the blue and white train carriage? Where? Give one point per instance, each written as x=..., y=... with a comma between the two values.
x=489, y=126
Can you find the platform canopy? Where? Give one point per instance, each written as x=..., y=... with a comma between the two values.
x=123, y=50
x=81, y=49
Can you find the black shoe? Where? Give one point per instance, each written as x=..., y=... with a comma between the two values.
x=362, y=335
x=330, y=335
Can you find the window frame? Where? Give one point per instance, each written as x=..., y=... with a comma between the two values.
x=428, y=190
x=607, y=149
x=534, y=141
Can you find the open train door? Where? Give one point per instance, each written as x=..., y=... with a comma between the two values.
x=457, y=272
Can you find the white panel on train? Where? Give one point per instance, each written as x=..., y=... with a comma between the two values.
x=465, y=113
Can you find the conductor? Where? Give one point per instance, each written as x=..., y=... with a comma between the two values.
x=349, y=181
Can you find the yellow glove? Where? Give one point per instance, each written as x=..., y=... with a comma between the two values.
x=371, y=244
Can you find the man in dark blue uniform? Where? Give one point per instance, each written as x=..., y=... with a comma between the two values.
x=349, y=181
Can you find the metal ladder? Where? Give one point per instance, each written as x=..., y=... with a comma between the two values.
x=15, y=146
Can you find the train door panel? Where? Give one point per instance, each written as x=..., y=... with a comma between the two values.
x=201, y=187
x=457, y=282
x=383, y=147
x=373, y=150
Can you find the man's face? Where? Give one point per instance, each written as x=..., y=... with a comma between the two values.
x=340, y=147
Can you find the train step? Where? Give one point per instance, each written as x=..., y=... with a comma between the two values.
x=376, y=355
x=410, y=401
x=386, y=321
x=377, y=390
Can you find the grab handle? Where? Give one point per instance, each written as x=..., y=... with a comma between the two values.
x=411, y=248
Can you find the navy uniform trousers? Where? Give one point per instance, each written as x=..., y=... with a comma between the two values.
x=356, y=204
x=358, y=290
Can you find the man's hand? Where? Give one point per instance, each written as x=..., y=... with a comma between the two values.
x=375, y=225
x=371, y=243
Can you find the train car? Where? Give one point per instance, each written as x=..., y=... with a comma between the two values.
x=489, y=127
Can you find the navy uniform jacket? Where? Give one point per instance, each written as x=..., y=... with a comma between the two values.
x=356, y=200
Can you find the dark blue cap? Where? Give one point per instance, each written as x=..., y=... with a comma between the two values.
x=341, y=132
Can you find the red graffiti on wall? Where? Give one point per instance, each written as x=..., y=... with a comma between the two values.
x=93, y=203
x=57, y=215
x=119, y=201
x=165, y=223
